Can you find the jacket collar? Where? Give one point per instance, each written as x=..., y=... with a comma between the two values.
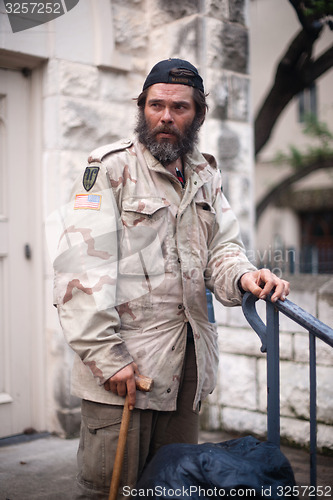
x=201, y=165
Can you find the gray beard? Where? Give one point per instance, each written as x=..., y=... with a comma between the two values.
x=166, y=152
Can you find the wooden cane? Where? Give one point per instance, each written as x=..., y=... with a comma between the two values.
x=144, y=384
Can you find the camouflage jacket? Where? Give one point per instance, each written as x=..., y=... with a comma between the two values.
x=136, y=254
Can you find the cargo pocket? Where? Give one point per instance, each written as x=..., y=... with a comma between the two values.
x=97, y=449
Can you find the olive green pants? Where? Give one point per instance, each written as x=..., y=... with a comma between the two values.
x=148, y=431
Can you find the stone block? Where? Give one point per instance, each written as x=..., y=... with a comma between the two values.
x=324, y=352
x=262, y=384
x=236, y=318
x=244, y=421
x=78, y=80
x=238, y=108
x=235, y=46
x=210, y=136
x=325, y=303
x=131, y=27
x=239, y=197
x=294, y=390
x=237, y=11
x=93, y=123
x=324, y=437
x=218, y=86
x=217, y=9
x=295, y=431
x=237, y=381
x=210, y=417
x=60, y=169
x=286, y=346
x=220, y=312
x=51, y=78
x=235, y=148
x=229, y=144
x=239, y=341
x=162, y=12
x=70, y=421
x=214, y=45
x=325, y=394
x=298, y=432
x=178, y=39
x=51, y=129
x=227, y=46
x=120, y=87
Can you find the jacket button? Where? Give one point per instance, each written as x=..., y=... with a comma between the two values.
x=173, y=348
x=168, y=390
x=180, y=306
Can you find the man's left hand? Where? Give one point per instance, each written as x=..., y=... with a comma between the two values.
x=262, y=282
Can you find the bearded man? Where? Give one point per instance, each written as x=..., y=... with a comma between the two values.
x=147, y=232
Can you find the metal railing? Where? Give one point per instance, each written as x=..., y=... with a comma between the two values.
x=269, y=336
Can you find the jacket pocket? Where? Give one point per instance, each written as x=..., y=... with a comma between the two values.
x=144, y=236
x=146, y=211
x=206, y=221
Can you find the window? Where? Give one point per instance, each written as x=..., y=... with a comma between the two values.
x=317, y=242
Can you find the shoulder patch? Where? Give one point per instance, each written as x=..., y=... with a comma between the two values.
x=98, y=154
x=90, y=176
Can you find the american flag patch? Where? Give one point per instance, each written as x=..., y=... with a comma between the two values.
x=89, y=201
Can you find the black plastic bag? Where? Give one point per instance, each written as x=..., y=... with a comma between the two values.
x=239, y=468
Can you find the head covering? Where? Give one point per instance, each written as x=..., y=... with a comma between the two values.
x=174, y=71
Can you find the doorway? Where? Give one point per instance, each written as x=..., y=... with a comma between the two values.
x=20, y=317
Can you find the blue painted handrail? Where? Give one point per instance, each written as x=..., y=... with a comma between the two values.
x=269, y=336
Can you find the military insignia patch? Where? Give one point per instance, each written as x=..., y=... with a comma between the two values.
x=89, y=177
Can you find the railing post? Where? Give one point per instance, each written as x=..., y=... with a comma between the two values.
x=313, y=410
x=273, y=374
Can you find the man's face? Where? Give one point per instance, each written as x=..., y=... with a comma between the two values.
x=168, y=125
x=169, y=108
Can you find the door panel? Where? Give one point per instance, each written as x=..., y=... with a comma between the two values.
x=16, y=279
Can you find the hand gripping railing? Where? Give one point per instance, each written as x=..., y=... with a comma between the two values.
x=269, y=336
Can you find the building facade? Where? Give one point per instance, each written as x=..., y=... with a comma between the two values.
x=66, y=87
x=295, y=232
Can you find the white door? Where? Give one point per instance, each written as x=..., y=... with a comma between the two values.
x=17, y=284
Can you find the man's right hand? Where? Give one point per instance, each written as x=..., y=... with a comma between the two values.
x=123, y=382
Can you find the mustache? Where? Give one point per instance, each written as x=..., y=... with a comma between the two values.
x=166, y=129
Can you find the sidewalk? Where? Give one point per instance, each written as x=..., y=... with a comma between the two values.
x=45, y=468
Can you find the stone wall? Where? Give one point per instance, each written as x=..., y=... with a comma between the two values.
x=239, y=401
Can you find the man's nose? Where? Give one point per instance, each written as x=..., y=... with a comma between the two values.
x=166, y=116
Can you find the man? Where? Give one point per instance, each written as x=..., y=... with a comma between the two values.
x=147, y=232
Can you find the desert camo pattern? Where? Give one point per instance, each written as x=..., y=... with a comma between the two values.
x=131, y=273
